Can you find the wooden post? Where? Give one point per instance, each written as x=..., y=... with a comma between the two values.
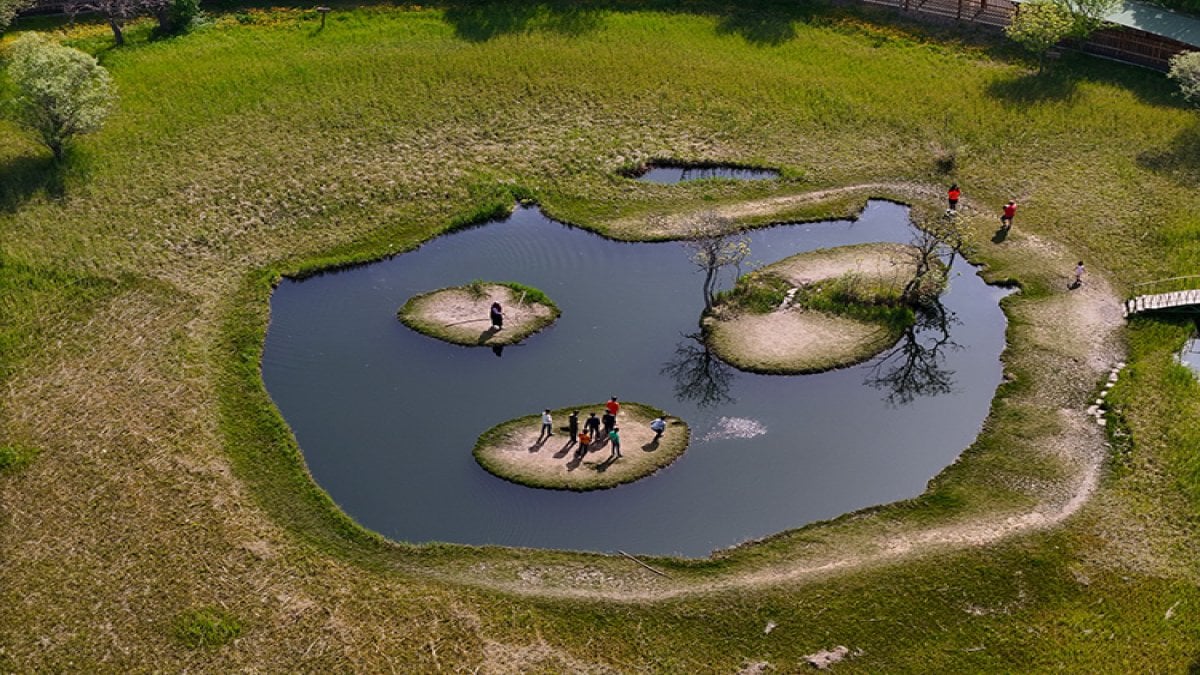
x=323, y=11
x=958, y=16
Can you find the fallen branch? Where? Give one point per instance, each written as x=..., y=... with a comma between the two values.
x=658, y=572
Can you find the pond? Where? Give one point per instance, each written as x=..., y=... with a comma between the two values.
x=1190, y=356
x=387, y=418
x=669, y=174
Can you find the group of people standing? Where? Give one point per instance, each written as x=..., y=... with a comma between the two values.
x=596, y=429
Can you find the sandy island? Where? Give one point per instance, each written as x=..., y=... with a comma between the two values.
x=513, y=452
x=460, y=314
x=792, y=339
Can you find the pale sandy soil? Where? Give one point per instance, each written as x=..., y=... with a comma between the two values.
x=794, y=340
x=520, y=453
x=458, y=316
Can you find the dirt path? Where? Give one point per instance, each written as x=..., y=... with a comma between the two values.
x=1072, y=337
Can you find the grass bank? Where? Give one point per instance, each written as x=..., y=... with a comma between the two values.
x=137, y=278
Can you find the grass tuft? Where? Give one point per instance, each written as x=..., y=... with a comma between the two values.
x=206, y=627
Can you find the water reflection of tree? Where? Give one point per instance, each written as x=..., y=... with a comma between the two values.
x=916, y=365
x=699, y=375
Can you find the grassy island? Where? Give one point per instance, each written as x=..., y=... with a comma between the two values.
x=460, y=314
x=814, y=311
x=517, y=451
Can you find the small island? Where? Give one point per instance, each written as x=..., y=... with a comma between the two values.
x=516, y=451
x=459, y=314
x=819, y=310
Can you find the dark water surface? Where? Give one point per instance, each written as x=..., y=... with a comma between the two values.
x=387, y=417
x=678, y=174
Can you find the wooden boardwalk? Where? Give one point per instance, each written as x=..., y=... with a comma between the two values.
x=1180, y=300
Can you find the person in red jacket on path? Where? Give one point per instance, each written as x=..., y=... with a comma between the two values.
x=953, y=196
x=612, y=406
x=1010, y=210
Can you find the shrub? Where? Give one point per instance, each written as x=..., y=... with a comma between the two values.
x=1185, y=69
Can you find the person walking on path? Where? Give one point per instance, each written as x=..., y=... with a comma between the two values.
x=573, y=425
x=497, y=316
x=585, y=440
x=609, y=420
x=953, y=195
x=547, y=425
x=658, y=426
x=613, y=406
x=614, y=437
x=1079, y=272
x=592, y=425
x=1010, y=210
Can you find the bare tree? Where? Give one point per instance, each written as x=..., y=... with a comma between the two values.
x=933, y=249
x=117, y=12
x=915, y=366
x=715, y=242
x=699, y=375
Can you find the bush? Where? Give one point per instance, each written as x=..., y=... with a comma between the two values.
x=178, y=16
x=1185, y=69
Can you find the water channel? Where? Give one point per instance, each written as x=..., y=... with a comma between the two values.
x=386, y=418
x=678, y=174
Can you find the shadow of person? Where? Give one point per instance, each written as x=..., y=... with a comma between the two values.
x=1001, y=234
x=575, y=462
x=562, y=452
x=603, y=466
x=498, y=350
x=537, y=445
x=651, y=446
x=487, y=335
x=1074, y=285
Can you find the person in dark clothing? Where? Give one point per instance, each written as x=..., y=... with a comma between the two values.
x=573, y=425
x=609, y=420
x=497, y=316
x=592, y=424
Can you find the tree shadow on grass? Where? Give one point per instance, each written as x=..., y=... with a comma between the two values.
x=1033, y=88
x=26, y=176
x=479, y=22
x=1179, y=160
x=759, y=27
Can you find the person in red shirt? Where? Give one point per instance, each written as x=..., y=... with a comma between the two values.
x=953, y=196
x=612, y=406
x=1010, y=210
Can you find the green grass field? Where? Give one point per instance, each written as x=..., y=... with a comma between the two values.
x=157, y=515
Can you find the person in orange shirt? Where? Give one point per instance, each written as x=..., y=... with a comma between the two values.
x=585, y=439
x=613, y=406
x=953, y=196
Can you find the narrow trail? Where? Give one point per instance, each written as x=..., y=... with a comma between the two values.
x=1078, y=329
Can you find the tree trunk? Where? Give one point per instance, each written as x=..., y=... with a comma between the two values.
x=118, y=34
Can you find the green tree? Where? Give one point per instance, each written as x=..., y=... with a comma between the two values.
x=1088, y=15
x=61, y=92
x=9, y=9
x=1040, y=25
x=1185, y=69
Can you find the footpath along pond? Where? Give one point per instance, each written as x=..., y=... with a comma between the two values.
x=386, y=417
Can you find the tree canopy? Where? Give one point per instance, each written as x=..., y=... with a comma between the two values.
x=61, y=92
